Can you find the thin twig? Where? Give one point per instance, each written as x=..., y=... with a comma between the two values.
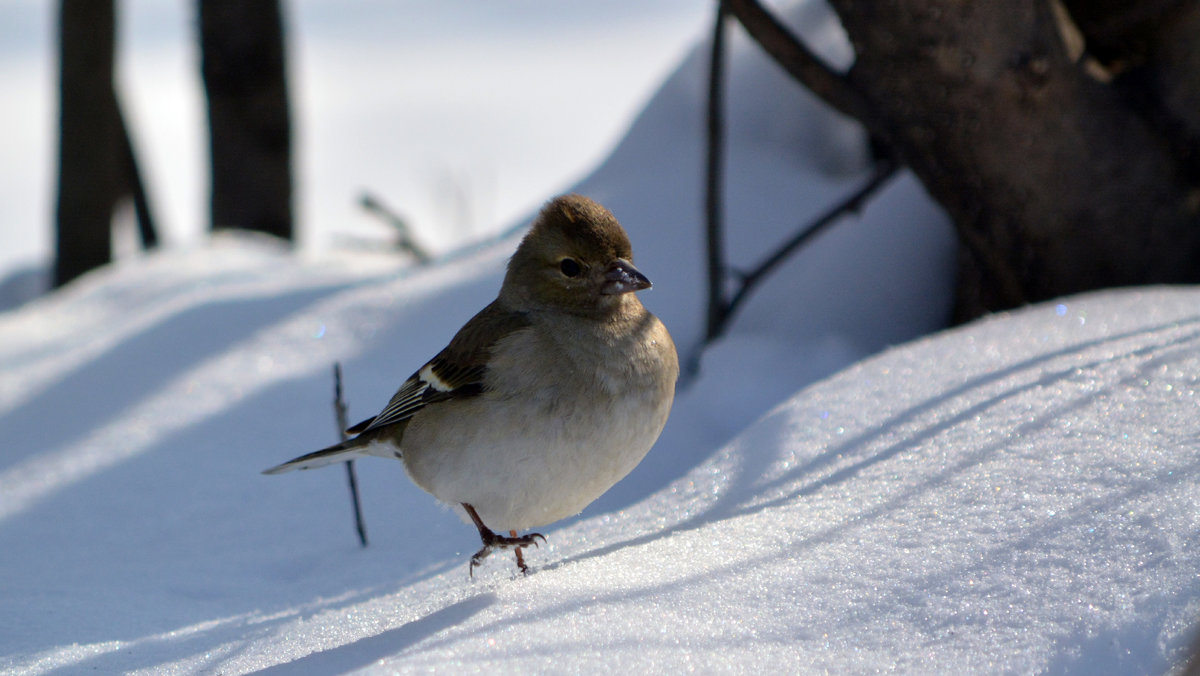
x=404, y=236
x=713, y=178
x=829, y=85
x=137, y=189
x=885, y=169
x=339, y=407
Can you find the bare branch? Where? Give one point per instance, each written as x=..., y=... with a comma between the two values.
x=339, y=408
x=798, y=60
x=714, y=173
x=404, y=236
x=884, y=170
x=720, y=309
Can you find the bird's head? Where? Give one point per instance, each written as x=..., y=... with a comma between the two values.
x=576, y=258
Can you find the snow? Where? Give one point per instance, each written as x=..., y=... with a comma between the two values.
x=1016, y=495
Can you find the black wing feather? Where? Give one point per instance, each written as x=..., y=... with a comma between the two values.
x=456, y=372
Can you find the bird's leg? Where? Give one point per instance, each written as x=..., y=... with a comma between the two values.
x=492, y=541
x=520, y=557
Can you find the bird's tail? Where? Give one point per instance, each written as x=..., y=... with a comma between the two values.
x=347, y=450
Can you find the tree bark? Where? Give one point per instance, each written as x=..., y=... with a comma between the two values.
x=1055, y=182
x=1060, y=171
x=244, y=64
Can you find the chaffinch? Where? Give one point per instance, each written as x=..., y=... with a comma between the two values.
x=542, y=401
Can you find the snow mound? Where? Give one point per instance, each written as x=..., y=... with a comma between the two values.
x=1020, y=494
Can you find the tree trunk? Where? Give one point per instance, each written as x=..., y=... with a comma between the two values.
x=1056, y=182
x=97, y=166
x=243, y=63
x=1065, y=155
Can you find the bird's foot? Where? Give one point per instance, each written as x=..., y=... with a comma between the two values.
x=492, y=542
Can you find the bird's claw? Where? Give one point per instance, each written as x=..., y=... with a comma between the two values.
x=492, y=541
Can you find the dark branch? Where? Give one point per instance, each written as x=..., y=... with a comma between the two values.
x=885, y=169
x=779, y=43
x=133, y=176
x=713, y=179
x=798, y=60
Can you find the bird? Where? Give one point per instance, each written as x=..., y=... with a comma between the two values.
x=543, y=400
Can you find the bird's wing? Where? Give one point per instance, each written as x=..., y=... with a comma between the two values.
x=456, y=372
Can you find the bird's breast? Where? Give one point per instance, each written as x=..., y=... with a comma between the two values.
x=549, y=434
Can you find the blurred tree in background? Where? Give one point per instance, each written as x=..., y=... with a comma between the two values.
x=244, y=68
x=96, y=163
x=244, y=72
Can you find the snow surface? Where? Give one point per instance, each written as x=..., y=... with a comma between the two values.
x=1018, y=495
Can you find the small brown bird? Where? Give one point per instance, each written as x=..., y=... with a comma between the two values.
x=542, y=401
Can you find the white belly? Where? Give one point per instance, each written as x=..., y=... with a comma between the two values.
x=525, y=466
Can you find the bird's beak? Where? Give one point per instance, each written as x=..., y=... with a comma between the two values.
x=622, y=277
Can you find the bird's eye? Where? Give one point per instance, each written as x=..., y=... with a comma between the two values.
x=570, y=267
